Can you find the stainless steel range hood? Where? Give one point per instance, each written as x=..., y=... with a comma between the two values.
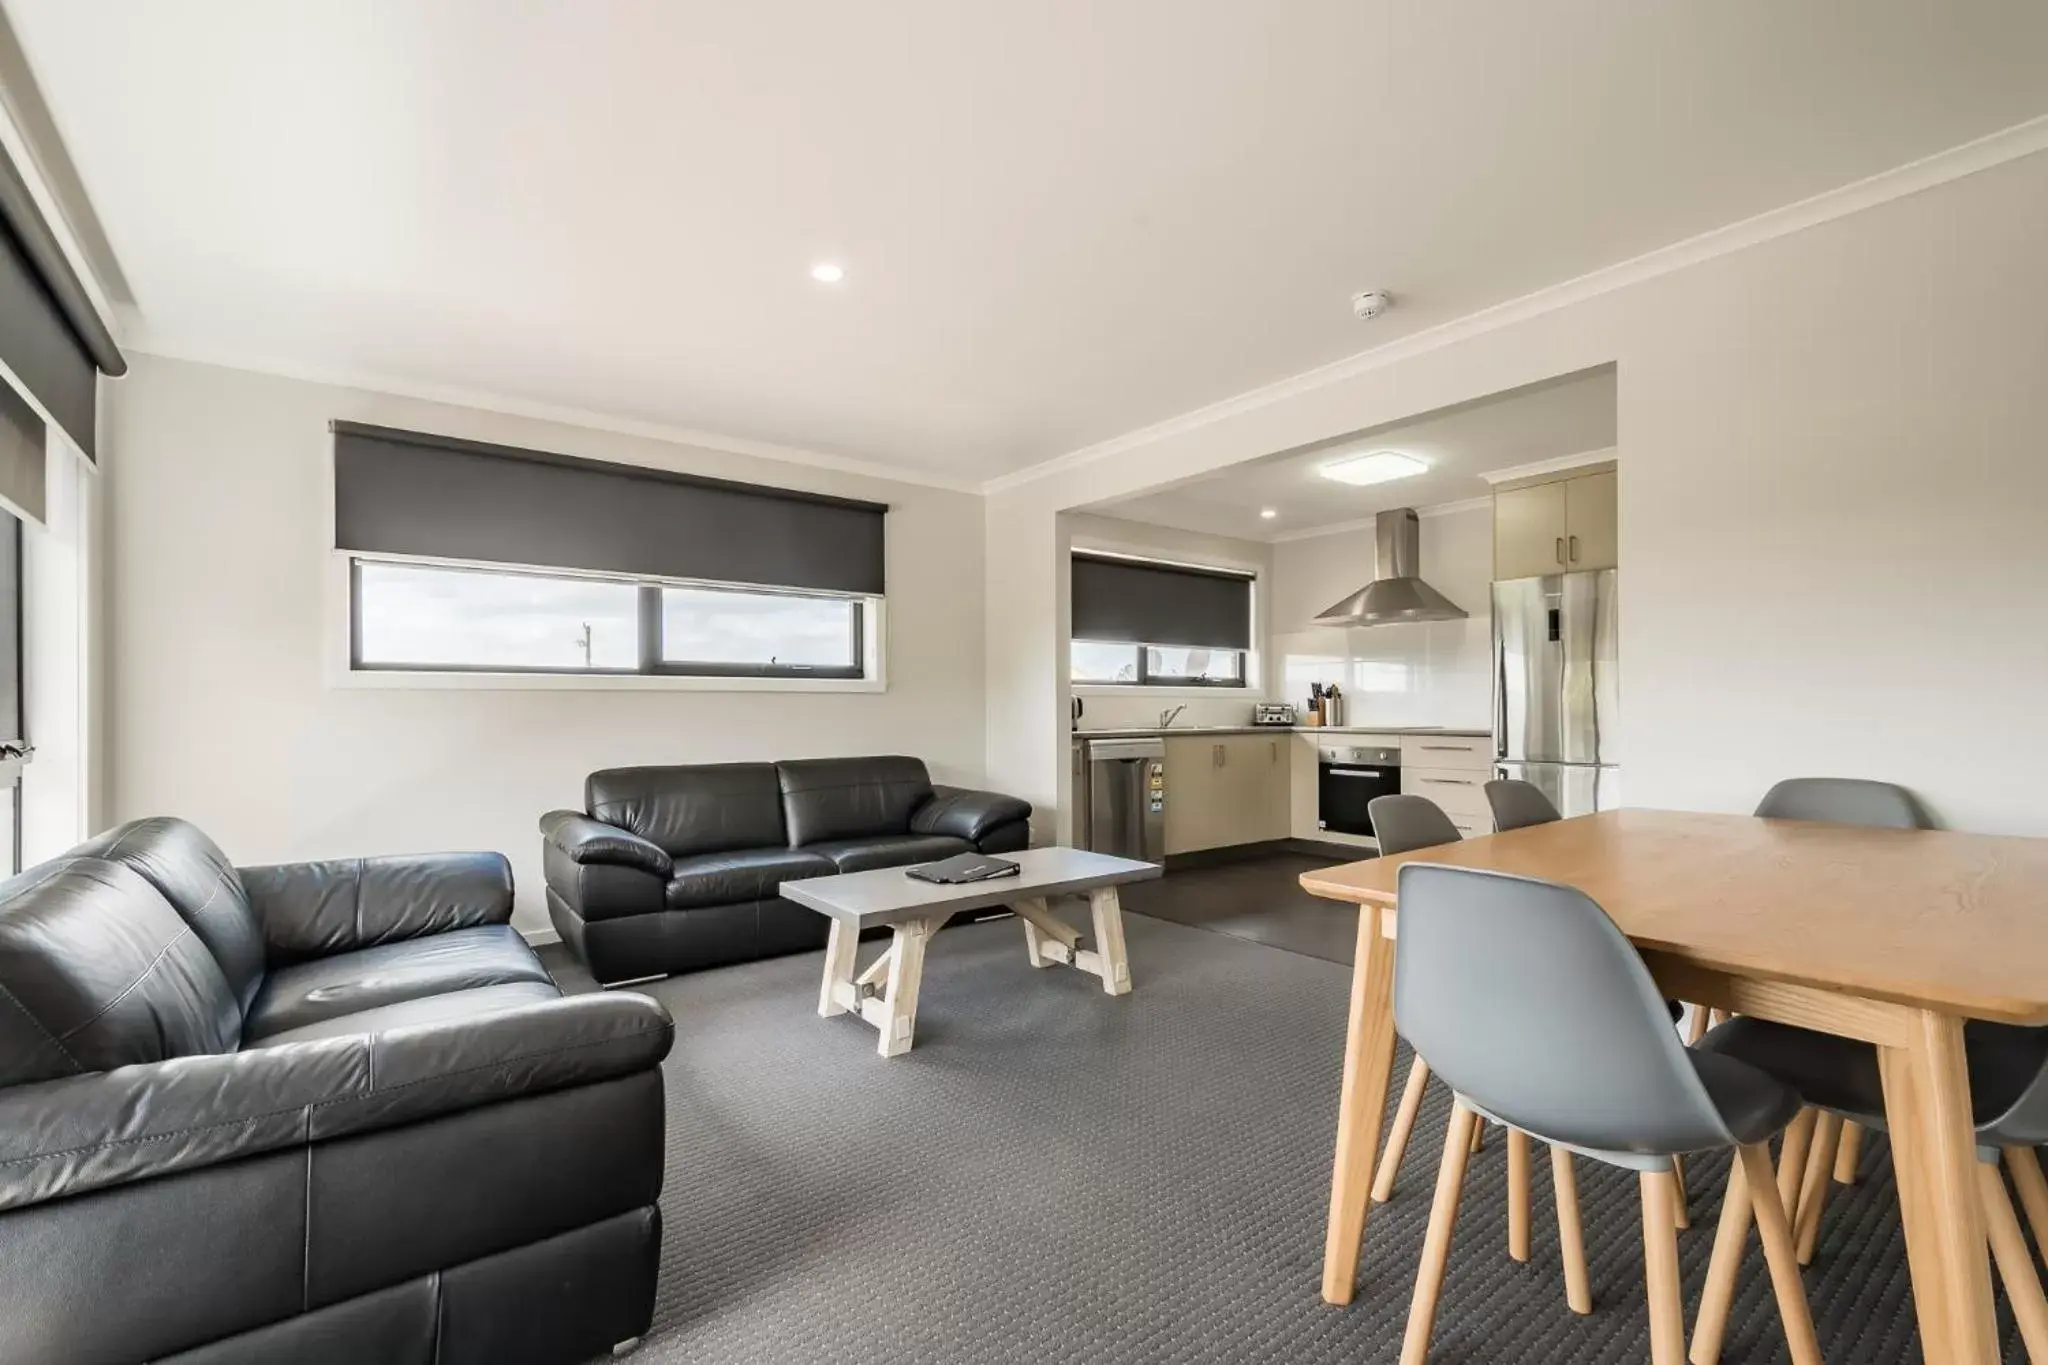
x=1395, y=595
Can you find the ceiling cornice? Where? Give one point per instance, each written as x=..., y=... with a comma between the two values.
x=140, y=342
x=1995, y=149
x=1562, y=462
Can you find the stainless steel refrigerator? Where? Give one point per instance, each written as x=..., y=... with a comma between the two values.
x=1557, y=687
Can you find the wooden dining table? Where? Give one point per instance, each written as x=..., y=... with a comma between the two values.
x=1895, y=937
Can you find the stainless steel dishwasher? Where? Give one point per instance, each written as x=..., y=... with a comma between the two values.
x=1126, y=800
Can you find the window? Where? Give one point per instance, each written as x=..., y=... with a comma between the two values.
x=449, y=618
x=1144, y=623
x=14, y=747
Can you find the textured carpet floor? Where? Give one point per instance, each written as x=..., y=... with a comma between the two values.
x=1056, y=1175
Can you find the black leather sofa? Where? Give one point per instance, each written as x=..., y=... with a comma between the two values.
x=321, y=1113
x=673, y=869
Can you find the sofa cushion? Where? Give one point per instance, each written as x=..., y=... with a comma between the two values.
x=97, y=970
x=699, y=808
x=850, y=798
x=202, y=886
x=750, y=874
x=862, y=855
x=451, y=1008
x=389, y=974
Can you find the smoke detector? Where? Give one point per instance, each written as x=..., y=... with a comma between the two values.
x=1371, y=304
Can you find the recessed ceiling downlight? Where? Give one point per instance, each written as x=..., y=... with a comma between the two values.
x=1269, y=512
x=1375, y=466
x=828, y=272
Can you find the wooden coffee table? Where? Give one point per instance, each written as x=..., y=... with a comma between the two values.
x=885, y=994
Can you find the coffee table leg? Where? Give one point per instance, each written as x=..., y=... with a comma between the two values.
x=1034, y=937
x=899, y=1000
x=1108, y=915
x=841, y=946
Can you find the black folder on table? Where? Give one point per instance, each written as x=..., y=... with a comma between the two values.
x=962, y=868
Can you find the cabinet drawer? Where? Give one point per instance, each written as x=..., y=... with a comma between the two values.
x=1473, y=752
x=1461, y=794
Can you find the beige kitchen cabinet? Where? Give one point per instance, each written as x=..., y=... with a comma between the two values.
x=1223, y=790
x=1528, y=531
x=1559, y=526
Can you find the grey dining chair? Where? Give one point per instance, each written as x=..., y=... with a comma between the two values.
x=1404, y=824
x=1517, y=804
x=1821, y=1143
x=2008, y=1068
x=1538, y=1013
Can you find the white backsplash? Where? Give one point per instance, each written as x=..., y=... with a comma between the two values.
x=1137, y=712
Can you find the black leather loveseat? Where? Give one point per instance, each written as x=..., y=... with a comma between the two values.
x=672, y=869
x=320, y=1113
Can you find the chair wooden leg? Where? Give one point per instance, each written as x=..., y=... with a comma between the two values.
x=1398, y=1132
x=1716, y=1018
x=1681, y=1198
x=2025, y=1166
x=1436, y=1243
x=1660, y=1271
x=1518, y=1194
x=1850, y=1154
x=1792, y=1159
x=1724, y=1269
x=1781, y=1255
x=1478, y=1135
x=2015, y=1263
x=1571, y=1233
x=1813, y=1190
x=1696, y=1027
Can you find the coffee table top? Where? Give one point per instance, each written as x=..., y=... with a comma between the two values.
x=887, y=896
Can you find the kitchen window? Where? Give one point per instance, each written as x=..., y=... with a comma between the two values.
x=1150, y=623
x=444, y=618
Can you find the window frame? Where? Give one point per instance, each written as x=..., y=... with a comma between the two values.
x=1147, y=678
x=863, y=674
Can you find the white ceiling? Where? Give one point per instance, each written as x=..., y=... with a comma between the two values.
x=1060, y=220
x=1535, y=425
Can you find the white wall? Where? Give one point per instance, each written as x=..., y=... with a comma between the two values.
x=1432, y=673
x=221, y=708
x=1831, y=507
x=1109, y=708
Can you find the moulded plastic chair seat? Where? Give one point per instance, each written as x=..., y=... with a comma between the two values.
x=1517, y=804
x=1538, y=1011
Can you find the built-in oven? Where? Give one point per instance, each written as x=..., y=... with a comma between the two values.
x=1348, y=777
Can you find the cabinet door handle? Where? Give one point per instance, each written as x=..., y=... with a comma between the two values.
x=1560, y=549
x=1575, y=549
x=1449, y=781
x=1445, y=749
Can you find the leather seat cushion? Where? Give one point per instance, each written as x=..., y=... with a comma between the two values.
x=863, y=855
x=389, y=974
x=693, y=808
x=851, y=798
x=748, y=874
x=453, y=1007
x=1841, y=1074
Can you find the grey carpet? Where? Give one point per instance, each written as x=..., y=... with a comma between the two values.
x=1056, y=1175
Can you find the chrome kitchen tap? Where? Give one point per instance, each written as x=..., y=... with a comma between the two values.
x=1167, y=718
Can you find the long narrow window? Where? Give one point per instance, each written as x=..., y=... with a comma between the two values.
x=1145, y=624
x=14, y=747
x=448, y=618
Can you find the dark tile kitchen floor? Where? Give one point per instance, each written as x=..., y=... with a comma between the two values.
x=1259, y=899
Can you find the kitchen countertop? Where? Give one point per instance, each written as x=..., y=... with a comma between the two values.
x=1148, y=731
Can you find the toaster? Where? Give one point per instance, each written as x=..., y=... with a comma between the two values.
x=1273, y=713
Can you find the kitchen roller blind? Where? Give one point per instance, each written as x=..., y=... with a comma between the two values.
x=405, y=493
x=1138, y=602
x=51, y=338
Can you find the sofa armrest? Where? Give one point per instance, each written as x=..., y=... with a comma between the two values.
x=966, y=814
x=313, y=910
x=64, y=1137
x=587, y=842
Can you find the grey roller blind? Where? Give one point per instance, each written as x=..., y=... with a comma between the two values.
x=1160, y=604
x=22, y=445
x=405, y=493
x=50, y=337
